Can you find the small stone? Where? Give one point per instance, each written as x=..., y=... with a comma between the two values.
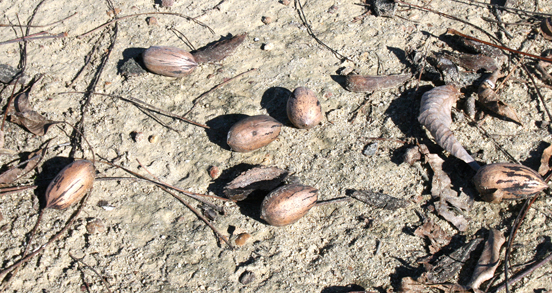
x=131, y=68
x=137, y=136
x=266, y=19
x=9, y=75
x=105, y=205
x=151, y=20
x=268, y=46
x=242, y=239
x=255, y=39
x=285, y=2
x=167, y=3
x=4, y=228
x=332, y=9
x=214, y=172
x=370, y=149
x=247, y=277
x=210, y=214
x=95, y=226
x=153, y=138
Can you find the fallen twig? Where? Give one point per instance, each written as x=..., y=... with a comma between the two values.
x=104, y=281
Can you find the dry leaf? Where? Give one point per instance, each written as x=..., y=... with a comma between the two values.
x=488, y=261
x=435, y=111
x=545, y=161
x=17, y=172
x=491, y=100
x=22, y=114
x=440, y=188
x=448, y=266
x=437, y=236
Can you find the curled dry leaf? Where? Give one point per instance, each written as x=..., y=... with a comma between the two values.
x=491, y=100
x=16, y=172
x=488, y=261
x=499, y=181
x=440, y=188
x=435, y=111
x=545, y=161
x=257, y=178
x=367, y=83
x=218, y=50
x=380, y=200
x=20, y=113
x=436, y=235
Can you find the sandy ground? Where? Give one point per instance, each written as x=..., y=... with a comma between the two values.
x=153, y=243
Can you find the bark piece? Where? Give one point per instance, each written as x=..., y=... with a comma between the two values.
x=257, y=178
x=488, y=261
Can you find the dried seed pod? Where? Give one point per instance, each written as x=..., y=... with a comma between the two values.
x=287, y=204
x=70, y=185
x=169, y=61
x=435, y=111
x=507, y=181
x=252, y=133
x=258, y=178
x=218, y=50
x=546, y=28
x=367, y=83
x=303, y=108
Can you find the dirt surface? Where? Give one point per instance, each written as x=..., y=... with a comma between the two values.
x=153, y=243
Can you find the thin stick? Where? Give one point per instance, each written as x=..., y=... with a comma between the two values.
x=510, y=9
x=513, y=233
x=219, y=209
x=54, y=238
x=104, y=281
x=451, y=17
x=38, y=26
x=538, y=91
x=146, y=13
x=189, y=193
x=303, y=18
x=333, y=200
x=455, y=32
x=10, y=101
x=25, y=39
x=222, y=237
x=145, y=105
x=196, y=100
x=10, y=190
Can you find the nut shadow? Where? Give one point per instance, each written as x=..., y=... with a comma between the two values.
x=219, y=127
x=343, y=289
x=50, y=168
x=274, y=100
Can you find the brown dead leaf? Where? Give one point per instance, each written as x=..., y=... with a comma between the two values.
x=22, y=114
x=545, y=161
x=488, y=261
x=440, y=188
x=491, y=100
x=449, y=266
x=17, y=172
x=437, y=236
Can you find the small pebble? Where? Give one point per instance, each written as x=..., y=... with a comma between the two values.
x=285, y=2
x=266, y=19
x=370, y=149
x=214, y=172
x=94, y=226
x=151, y=20
x=131, y=68
x=4, y=228
x=210, y=214
x=167, y=3
x=255, y=39
x=137, y=136
x=105, y=205
x=332, y=9
x=247, y=277
x=242, y=239
x=268, y=47
x=153, y=138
